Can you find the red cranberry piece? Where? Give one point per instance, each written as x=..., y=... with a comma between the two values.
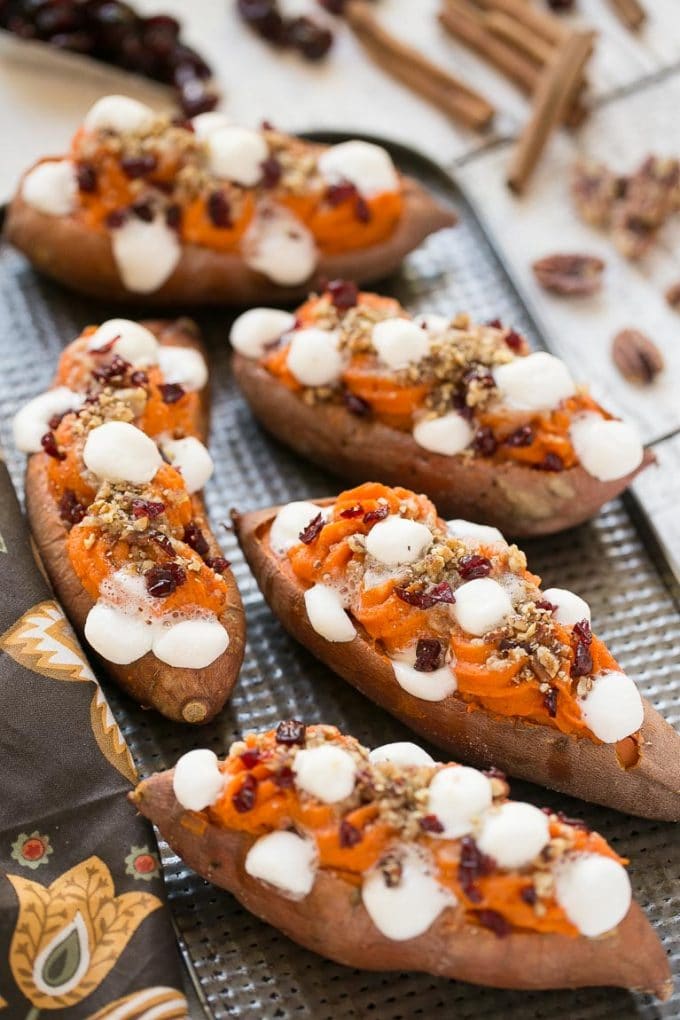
x=352, y=511
x=311, y=532
x=195, y=97
x=473, y=566
x=379, y=514
x=291, y=731
x=271, y=172
x=49, y=445
x=56, y=419
x=575, y=823
x=147, y=508
x=495, y=324
x=71, y=510
x=550, y=702
x=356, y=405
x=250, y=758
x=195, y=539
x=426, y=598
x=523, y=436
x=428, y=655
x=495, y=922
x=473, y=864
x=218, y=563
x=219, y=210
x=312, y=40
x=173, y=216
x=115, y=219
x=485, y=442
x=460, y=405
x=341, y=192
x=244, y=798
x=171, y=392
x=544, y=604
x=528, y=894
x=551, y=462
x=115, y=371
x=344, y=294
x=163, y=542
x=139, y=378
x=479, y=375
x=583, y=661
x=583, y=632
x=336, y=7
x=138, y=166
x=160, y=35
x=264, y=17
x=349, y=835
x=86, y=177
x=514, y=340
x=430, y=823
x=143, y=211
x=362, y=210
x=284, y=777
x=164, y=579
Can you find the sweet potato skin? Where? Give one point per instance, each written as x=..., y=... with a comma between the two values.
x=540, y=754
x=333, y=922
x=517, y=499
x=61, y=247
x=184, y=695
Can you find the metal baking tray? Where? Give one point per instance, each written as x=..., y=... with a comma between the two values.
x=242, y=967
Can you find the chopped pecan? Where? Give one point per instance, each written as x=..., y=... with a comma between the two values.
x=594, y=189
x=570, y=275
x=637, y=358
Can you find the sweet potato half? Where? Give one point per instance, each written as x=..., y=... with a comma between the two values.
x=518, y=499
x=333, y=922
x=184, y=695
x=576, y=766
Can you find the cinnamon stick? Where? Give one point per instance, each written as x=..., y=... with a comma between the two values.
x=462, y=21
x=408, y=65
x=631, y=13
x=559, y=83
x=545, y=25
x=517, y=34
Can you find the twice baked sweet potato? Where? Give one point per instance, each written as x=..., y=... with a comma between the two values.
x=462, y=412
x=123, y=534
x=462, y=645
x=207, y=212
x=389, y=861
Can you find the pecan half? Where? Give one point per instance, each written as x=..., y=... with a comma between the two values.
x=636, y=357
x=673, y=296
x=594, y=189
x=572, y=275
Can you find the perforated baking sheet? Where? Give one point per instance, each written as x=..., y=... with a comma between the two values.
x=242, y=967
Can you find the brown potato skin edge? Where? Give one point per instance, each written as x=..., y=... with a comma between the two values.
x=519, y=500
x=184, y=695
x=575, y=766
x=333, y=922
x=80, y=258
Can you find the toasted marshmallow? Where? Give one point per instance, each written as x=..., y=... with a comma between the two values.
x=398, y=540
x=252, y=331
x=237, y=154
x=428, y=686
x=197, y=781
x=606, y=449
x=326, y=772
x=481, y=605
x=534, y=383
x=290, y=522
x=117, y=636
x=31, y=422
x=119, y=452
x=612, y=708
x=205, y=124
x=314, y=358
x=191, y=458
x=191, y=644
x=571, y=608
x=51, y=187
x=449, y=434
x=284, y=860
x=279, y=246
x=146, y=254
x=327, y=615
x=457, y=796
x=481, y=533
x=131, y=341
x=402, y=752
x=184, y=366
x=120, y=114
x=407, y=909
x=368, y=167
x=513, y=834
x=594, y=892
x=399, y=342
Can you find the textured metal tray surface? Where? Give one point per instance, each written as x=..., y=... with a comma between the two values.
x=245, y=968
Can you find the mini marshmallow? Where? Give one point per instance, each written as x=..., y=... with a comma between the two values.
x=184, y=366
x=146, y=254
x=606, y=449
x=449, y=434
x=284, y=860
x=132, y=342
x=481, y=533
x=278, y=245
x=237, y=154
x=399, y=342
x=435, y=324
x=613, y=708
x=327, y=615
x=367, y=166
x=252, y=331
x=594, y=892
x=206, y=123
x=32, y=422
x=191, y=644
x=197, y=781
x=117, y=636
x=428, y=686
x=191, y=458
x=119, y=452
x=571, y=608
x=51, y=188
x=513, y=834
x=398, y=540
x=533, y=383
x=481, y=605
x=402, y=752
x=457, y=796
x=290, y=521
x=326, y=772
x=408, y=909
x=120, y=114
x=314, y=358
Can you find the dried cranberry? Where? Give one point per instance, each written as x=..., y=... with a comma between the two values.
x=356, y=405
x=163, y=579
x=338, y=193
x=138, y=166
x=477, y=374
x=195, y=539
x=473, y=864
x=430, y=823
x=218, y=563
x=485, y=443
x=473, y=566
x=71, y=510
x=523, y=436
x=583, y=632
x=528, y=894
x=284, y=777
x=143, y=211
x=114, y=371
x=271, y=172
x=428, y=655
x=334, y=6
x=173, y=216
x=352, y=511
x=514, y=340
x=343, y=293
x=115, y=219
x=49, y=445
x=244, y=798
x=551, y=462
x=362, y=210
x=583, y=660
x=86, y=177
x=56, y=420
x=550, y=702
x=147, y=508
x=250, y=758
x=219, y=209
x=495, y=922
x=461, y=405
x=162, y=541
x=495, y=324
x=379, y=514
x=264, y=17
x=139, y=378
x=544, y=604
x=575, y=823
x=423, y=598
x=311, y=39
x=290, y=731
x=195, y=97
x=311, y=532
x=171, y=392
x=349, y=835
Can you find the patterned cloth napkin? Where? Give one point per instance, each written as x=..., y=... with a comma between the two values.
x=84, y=931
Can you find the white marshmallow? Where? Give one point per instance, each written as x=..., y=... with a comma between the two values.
x=314, y=358
x=131, y=341
x=191, y=458
x=398, y=540
x=402, y=752
x=183, y=365
x=236, y=154
x=457, y=796
x=206, y=123
x=533, y=383
x=448, y=435
x=594, y=892
x=51, y=188
x=191, y=644
x=120, y=114
x=571, y=608
x=513, y=834
x=284, y=860
x=399, y=342
x=279, y=246
x=435, y=324
x=433, y=686
x=606, y=449
x=32, y=422
x=197, y=781
x=408, y=909
x=254, y=329
x=117, y=636
x=119, y=452
x=146, y=254
x=481, y=605
x=290, y=521
x=367, y=166
x=326, y=772
x=477, y=533
x=613, y=708
x=327, y=615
